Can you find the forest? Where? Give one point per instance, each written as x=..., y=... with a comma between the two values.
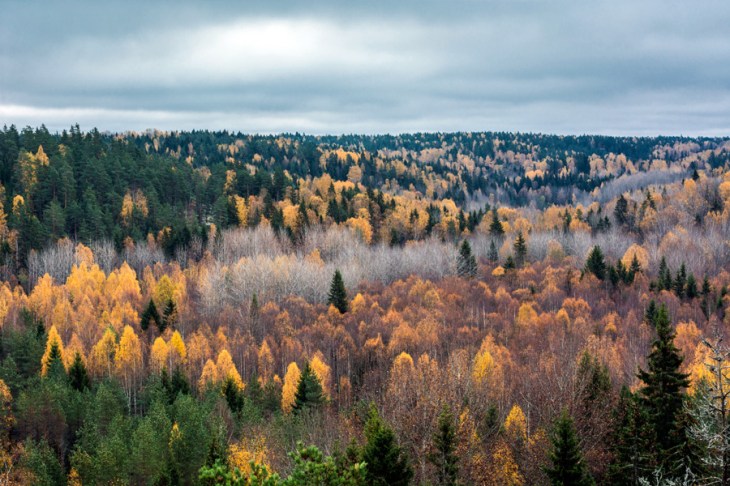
x=182, y=308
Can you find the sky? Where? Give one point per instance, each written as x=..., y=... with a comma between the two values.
x=621, y=67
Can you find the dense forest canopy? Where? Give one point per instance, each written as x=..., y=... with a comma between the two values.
x=429, y=308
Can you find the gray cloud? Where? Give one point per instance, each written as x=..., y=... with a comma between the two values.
x=620, y=67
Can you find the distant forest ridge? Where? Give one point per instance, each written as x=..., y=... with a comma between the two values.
x=176, y=186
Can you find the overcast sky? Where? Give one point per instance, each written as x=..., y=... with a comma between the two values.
x=569, y=67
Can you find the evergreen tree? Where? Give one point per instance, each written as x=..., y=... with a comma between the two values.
x=665, y=276
x=520, y=247
x=338, y=294
x=466, y=265
x=233, y=394
x=691, y=287
x=495, y=227
x=706, y=287
x=680, y=281
x=169, y=316
x=309, y=392
x=596, y=263
x=386, y=463
x=631, y=441
x=650, y=314
x=567, y=466
x=443, y=456
x=150, y=315
x=54, y=363
x=77, y=375
x=621, y=211
x=663, y=393
x=509, y=263
x=493, y=254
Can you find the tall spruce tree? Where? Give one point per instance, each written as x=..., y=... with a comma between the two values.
x=621, y=211
x=520, y=247
x=150, y=316
x=665, y=276
x=54, y=363
x=466, y=264
x=495, y=226
x=77, y=375
x=596, y=264
x=443, y=456
x=567, y=467
x=386, y=463
x=631, y=451
x=663, y=395
x=309, y=392
x=338, y=294
x=492, y=254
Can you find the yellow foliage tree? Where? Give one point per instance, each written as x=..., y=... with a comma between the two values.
x=642, y=256
x=323, y=372
x=227, y=369
x=128, y=362
x=241, y=210
x=483, y=367
x=505, y=471
x=242, y=454
x=515, y=426
x=265, y=362
x=74, y=346
x=102, y=354
x=361, y=228
x=358, y=303
x=289, y=390
x=209, y=375
x=178, y=351
x=526, y=316
x=158, y=355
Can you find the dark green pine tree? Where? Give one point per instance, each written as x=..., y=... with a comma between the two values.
x=596, y=264
x=690, y=290
x=680, y=281
x=169, y=316
x=706, y=287
x=443, y=456
x=623, y=273
x=663, y=394
x=77, y=376
x=492, y=254
x=466, y=263
x=631, y=441
x=665, y=276
x=650, y=313
x=509, y=263
x=495, y=227
x=54, y=363
x=621, y=211
x=309, y=392
x=233, y=395
x=150, y=316
x=386, y=463
x=567, y=467
x=520, y=247
x=338, y=294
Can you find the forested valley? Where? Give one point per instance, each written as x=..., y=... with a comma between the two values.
x=430, y=308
